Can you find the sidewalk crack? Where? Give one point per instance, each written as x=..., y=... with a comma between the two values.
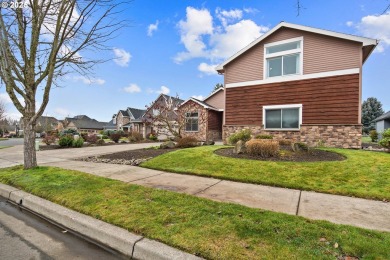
x=146, y=177
x=299, y=202
x=196, y=193
x=132, y=251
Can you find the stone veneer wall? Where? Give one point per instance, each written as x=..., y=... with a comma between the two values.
x=343, y=136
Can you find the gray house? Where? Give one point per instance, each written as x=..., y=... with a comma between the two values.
x=382, y=123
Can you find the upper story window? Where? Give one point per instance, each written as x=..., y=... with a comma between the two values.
x=283, y=58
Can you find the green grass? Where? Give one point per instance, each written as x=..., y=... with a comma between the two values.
x=363, y=174
x=2, y=147
x=366, y=139
x=207, y=228
x=3, y=139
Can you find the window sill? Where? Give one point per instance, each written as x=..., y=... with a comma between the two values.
x=191, y=131
x=283, y=129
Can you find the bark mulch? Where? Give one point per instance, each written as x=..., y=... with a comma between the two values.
x=136, y=154
x=287, y=155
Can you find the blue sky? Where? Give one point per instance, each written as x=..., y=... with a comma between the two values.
x=172, y=46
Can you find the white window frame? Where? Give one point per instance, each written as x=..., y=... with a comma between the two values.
x=283, y=53
x=283, y=107
x=185, y=126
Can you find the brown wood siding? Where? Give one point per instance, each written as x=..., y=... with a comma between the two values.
x=214, y=120
x=217, y=100
x=330, y=100
x=320, y=54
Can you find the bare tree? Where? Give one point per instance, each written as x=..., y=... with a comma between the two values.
x=168, y=117
x=2, y=110
x=41, y=41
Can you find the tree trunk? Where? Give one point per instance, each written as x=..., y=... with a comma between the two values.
x=30, y=156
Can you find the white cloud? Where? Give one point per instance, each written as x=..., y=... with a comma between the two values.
x=377, y=27
x=164, y=90
x=235, y=37
x=132, y=88
x=197, y=24
x=204, y=39
x=208, y=69
x=349, y=23
x=152, y=27
x=122, y=57
x=199, y=97
x=13, y=115
x=89, y=81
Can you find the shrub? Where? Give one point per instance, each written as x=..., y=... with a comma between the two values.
x=244, y=135
x=385, y=141
x=299, y=146
x=135, y=137
x=108, y=133
x=84, y=135
x=91, y=139
x=285, y=142
x=66, y=140
x=374, y=135
x=104, y=136
x=152, y=137
x=264, y=137
x=78, y=142
x=69, y=132
x=187, y=142
x=100, y=142
x=115, y=137
x=262, y=147
x=49, y=139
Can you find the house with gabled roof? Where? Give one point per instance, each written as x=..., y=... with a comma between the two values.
x=130, y=119
x=299, y=83
x=82, y=124
x=204, y=118
x=382, y=123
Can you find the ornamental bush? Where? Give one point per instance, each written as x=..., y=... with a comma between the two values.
x=92, y=139
x=264, y=137
x=69, y=132
x=262, y=147
x=115, y=137
x=66, y=140
x=385, y=141
x=135, y=137
x=187, y=142
x=244, y=135
x=374, y=135
x=152, y=137
x=49, y=139
x=78, y=142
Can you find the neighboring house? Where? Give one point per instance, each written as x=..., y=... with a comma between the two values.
x=82, y=124
x=130, y=119
x=164, y=108
x=204, y=118
x=44, y=124
x=299, y=83
x=111, y=125
x=382, y=123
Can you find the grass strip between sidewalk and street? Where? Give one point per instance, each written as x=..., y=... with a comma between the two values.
x=363, y=174
x=210, y=229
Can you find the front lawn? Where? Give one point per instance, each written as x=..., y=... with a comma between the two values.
x=207, y=228
x=363, y=174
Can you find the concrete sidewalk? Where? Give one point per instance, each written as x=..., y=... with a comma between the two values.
x=337, y=209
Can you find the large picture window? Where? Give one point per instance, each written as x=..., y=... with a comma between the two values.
x=192, y=121
x=283, y=58
x=287, y=117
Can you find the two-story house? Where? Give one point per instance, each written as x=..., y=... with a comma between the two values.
x=300, y=83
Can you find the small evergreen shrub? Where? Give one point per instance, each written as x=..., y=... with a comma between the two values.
x=49, y=139
x=152, y=137
x=66, y=140
x=299, y=146
x=104, y=136
x=244, y=135
x=262, y=147
x=385, y=141
x=374, y=135
x=187, y=142
x=115, y=137
x=264, y=137
x=69, y=132
x=108, y=133
x=78, y=142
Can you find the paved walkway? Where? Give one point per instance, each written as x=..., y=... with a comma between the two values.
x=337, y=209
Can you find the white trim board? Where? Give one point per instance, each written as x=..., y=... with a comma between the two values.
x=293, y=78
x=299, y=106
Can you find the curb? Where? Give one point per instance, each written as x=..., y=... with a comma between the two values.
x=113, y=237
